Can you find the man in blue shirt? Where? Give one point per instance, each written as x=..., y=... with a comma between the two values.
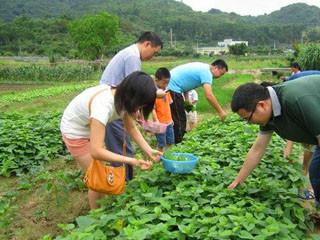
x=190, y=76
x=303, y=74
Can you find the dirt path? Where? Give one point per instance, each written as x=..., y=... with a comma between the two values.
x=14, y=87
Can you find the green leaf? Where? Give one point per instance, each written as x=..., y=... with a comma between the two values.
x=85, y=221
x=245, y=235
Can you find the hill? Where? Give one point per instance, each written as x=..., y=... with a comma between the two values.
x=190, y=27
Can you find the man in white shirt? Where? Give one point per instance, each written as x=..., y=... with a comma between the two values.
x=121, y=65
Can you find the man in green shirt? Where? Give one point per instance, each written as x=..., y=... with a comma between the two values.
x=291, y=109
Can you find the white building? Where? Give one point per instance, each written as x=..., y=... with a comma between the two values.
x=221, y=49
x=230, y=42
x=212, y=50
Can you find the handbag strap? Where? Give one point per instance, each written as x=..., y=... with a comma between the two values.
x=92, y=97
x=124, y=144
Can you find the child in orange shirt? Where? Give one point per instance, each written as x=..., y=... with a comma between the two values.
x=161, y=112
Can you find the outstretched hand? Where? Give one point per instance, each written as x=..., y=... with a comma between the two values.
x=222, y=115
x=234, y=184
x=144, y=165
x=155, y=155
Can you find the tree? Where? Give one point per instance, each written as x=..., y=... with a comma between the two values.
x=93, y=35
x=313, y=34
x=238, y=49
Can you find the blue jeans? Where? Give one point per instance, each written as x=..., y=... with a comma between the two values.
x=166, y=138
x=115, y=135
x=314, y=173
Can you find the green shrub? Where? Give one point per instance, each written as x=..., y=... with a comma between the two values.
x=45, y=73
x=309, y=57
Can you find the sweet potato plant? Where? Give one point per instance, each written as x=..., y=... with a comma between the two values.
x=28, y=140
x=160, y=205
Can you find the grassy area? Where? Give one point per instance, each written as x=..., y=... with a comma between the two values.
x=223, y=89
x=41, y=103
x=234, y=63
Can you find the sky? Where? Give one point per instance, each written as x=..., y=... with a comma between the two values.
x=245, y=7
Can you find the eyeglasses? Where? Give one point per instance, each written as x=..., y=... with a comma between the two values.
x=248, y=119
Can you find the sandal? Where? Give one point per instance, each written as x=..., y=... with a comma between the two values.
x=306, y=195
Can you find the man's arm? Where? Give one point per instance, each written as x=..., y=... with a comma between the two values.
x=213, y=101
x=253, y=158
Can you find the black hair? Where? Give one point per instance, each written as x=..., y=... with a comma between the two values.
x=247, y=95
x=220, y=64
x=136, y=91
x=295, y=65
x=152, y=37
x=162, y=73
x=267, y=84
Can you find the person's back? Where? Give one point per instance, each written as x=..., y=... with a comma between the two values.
x=303, y=74
x=121, y=65
x=196, y=73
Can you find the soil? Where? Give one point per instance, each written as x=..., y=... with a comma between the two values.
x=5, y=87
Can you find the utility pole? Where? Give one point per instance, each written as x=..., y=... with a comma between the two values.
x=171, y=37
x=302, y=35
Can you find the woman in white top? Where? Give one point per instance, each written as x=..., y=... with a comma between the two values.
x=137, y=93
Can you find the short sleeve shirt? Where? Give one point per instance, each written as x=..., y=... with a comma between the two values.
x=189, y=76
x=121, y=65
x=162, y=107
x=299, y=119
x=75, y=119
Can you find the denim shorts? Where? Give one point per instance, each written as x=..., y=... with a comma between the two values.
x=166, y=138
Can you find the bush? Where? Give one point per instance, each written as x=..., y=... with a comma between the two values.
x=45, y=73
x=309, y=57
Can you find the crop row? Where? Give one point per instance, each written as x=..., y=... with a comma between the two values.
x=160, y=205
x=36, y=93
x=28, y=141
x=45, y=73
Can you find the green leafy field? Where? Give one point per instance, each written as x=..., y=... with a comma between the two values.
x=44, y=181
x=160, y=205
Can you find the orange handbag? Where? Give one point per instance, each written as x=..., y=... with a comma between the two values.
x=104, y=178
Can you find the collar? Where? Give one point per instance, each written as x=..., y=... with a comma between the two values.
x=276, y=107
x=136, y=49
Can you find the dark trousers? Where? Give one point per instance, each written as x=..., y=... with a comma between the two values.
x=314, y=173
x=178, y=116
x=115, y=135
